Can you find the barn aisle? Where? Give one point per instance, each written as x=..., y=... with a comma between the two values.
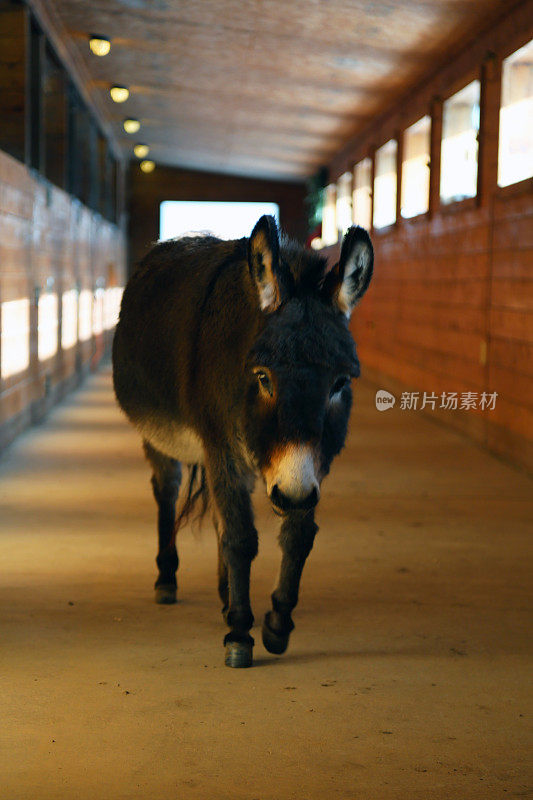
x=408, y=669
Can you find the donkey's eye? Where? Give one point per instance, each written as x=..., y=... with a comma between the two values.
x=338, y=386
x=264, y=382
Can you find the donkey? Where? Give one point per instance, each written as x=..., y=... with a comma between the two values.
x=235, y=358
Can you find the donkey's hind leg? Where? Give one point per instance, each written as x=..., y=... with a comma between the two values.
x=223, y=580
x=166, y=480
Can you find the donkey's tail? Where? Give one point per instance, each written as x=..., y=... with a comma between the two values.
x=195, y=502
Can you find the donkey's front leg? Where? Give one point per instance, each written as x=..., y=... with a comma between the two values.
x=238, y=547
x=296, y=540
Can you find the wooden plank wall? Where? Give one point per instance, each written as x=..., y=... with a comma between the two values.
x=450, y=307
x=49, y=239
x=510, y=326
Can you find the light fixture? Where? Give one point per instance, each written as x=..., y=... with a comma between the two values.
x=99, y=45
x=141, y=150
x=131, y=125
x=147, y=166
x=119, y=93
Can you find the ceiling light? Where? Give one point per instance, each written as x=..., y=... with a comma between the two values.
x=99, y=45
x=131, y=125
x=141, y=150
x=119, y=93
x=147, y=166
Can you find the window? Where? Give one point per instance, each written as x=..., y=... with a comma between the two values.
x=362, y=193
x=43, y=120
x=74, y=165
x=15, y=336
x=85, y=315
x=112, y=300
x=344, y=202
x=98, y=311
x=515, y=158
x=106, y=189
x=47, y=325
x=84, y=170
x=385, y=184
x=225, y=220
x=69, y=319
x=459, y=148
x=330, y=234
x=54, y=93
x=35, y=51
x=113, y=199
x=91, y=174
x=13, y=46
x=415, y=168
x=104, y=168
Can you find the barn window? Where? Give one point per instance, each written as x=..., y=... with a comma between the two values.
x=15, y=318
x=330, y=233
x=98, y=311
x=13, y=100
x=112, y=300
x=69, y=319
x=54, y=117
x=344, y=202
x=225, y=220
x=47, y=326
x=362, y=193
x=84, y=167
x=85, y=315
x=515, y=159
x=385, y=185
x=415, y=168
x=459, y=148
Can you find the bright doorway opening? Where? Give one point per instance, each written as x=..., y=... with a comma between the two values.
x=225, y=220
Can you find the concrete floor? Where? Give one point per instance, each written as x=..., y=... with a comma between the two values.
x=407, y=674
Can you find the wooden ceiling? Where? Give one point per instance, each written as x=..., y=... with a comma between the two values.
x=269, y=88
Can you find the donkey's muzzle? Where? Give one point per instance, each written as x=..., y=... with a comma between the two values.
x=291, y=477
x=284, y=503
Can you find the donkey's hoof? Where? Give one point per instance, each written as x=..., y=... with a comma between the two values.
x=165, y=594
x=238, y=654
x=274, y=642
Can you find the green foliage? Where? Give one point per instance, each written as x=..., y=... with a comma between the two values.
x=315, y=197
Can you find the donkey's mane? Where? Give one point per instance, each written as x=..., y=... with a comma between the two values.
x=306, y=266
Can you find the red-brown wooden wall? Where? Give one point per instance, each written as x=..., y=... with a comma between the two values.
x=47, y=234
x=450, y=307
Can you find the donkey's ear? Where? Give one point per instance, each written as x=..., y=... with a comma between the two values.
x=348, y=280
x=263, y=260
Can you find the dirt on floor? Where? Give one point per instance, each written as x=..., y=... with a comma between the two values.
x=408, y=673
